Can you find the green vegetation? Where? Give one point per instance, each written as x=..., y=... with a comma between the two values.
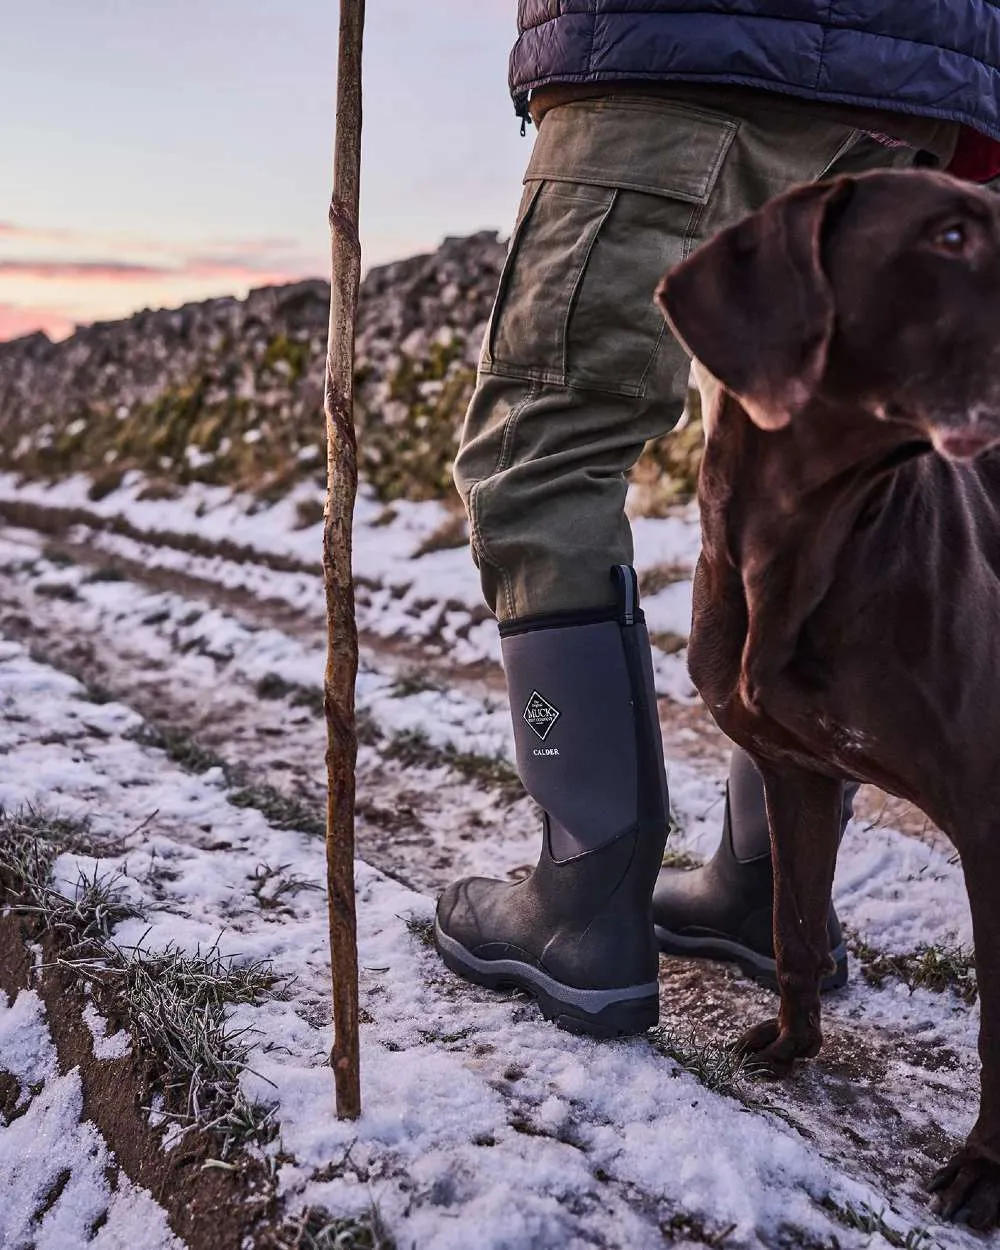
x=865, y=1219
x=929, y=967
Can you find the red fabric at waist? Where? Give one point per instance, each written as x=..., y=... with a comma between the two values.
x=977, y=157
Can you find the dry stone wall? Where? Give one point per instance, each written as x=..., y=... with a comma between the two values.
x=230, y=391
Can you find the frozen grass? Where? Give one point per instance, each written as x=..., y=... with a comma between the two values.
x=315, y=1230
x=178, y=745
x=680, y=859
x=283, y=811
x=175, y=1004
x=932, y=968
x=865, y=1219
x=412, y=748
x=30, y=843
x=719, y=1068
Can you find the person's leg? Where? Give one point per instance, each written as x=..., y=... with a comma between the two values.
x=578, y=372
x=723, y=909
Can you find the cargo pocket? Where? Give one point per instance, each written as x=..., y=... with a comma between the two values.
x=613, y=194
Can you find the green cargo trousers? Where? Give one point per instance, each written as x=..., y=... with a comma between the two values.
x=578, y=369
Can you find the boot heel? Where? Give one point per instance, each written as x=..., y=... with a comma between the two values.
x=621, y=1020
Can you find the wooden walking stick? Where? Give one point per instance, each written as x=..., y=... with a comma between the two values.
x=342, y=479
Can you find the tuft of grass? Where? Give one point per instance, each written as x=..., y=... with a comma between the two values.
x=273, y=884
x=97, y=692
x=660, y=576
x=931, y=967
x=680, y=859
x=719, y=1068
x=308, y=512
x=369, y=734
x=176, y=1006
x=283, y=811
x=57, y=590
x=272, y=686
x=422, y=929
x=57, y=556
x=689, y=1228
x=412, y=747
x=30, y=842
x=316, y=1229
x=179, y=747
x=106, y=573
x=865, y=1219
x=415, y=681
x=667, y=641
x=452, y=533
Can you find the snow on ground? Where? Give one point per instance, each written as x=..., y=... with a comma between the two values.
x=47, y=1142
x=433, y=597
x=483, y=1126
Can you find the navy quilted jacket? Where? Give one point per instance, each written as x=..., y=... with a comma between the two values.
x=935, y=58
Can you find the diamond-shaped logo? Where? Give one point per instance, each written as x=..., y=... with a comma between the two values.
x=540, y=715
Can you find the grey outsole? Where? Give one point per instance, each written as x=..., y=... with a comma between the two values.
x=600, y=1013
x=760, y=968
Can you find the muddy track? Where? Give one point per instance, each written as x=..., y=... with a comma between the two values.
x=689, y=733
x=887, y=1108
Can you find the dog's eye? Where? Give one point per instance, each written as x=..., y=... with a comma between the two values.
x=952, y=238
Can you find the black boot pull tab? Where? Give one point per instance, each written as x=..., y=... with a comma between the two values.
x=627, y=588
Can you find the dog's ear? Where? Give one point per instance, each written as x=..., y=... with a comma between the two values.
x=755, y=307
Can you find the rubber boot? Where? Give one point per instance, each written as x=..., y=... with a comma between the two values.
x=723, y=910
x=578, y=933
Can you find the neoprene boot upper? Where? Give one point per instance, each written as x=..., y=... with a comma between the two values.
x=578, y=933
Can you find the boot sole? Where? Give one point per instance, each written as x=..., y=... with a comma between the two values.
x=595, y=1013
x=760, y=968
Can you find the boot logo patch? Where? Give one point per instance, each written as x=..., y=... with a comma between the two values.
x=540, y=715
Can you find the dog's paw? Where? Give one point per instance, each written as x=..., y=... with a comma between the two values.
x=969, y=1184
x=774, y=1049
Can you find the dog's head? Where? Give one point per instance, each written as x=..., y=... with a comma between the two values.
x=881, y=292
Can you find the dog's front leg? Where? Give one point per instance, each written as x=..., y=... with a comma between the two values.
x=804, y=810
x=970, y=1183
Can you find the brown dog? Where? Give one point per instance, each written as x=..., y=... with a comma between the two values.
x=847, y=599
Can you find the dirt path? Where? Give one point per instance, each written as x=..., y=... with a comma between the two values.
x=892, y=1088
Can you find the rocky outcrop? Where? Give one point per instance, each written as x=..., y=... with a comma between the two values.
x=231, y=391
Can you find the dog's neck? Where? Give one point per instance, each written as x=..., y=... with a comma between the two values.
x=820, y=471
x=777, y=508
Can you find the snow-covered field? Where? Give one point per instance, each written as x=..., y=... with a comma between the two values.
x=483, y=1126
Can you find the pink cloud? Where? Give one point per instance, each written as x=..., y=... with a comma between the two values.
x=8, y=230
x=200, y=268
x=229, y=248
x=88, y=270
x=16, y=321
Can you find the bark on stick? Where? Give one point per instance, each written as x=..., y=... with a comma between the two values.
x=342, y=649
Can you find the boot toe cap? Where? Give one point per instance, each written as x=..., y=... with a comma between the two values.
x=461, y=908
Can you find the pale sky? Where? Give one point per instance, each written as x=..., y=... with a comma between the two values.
x=159, y=151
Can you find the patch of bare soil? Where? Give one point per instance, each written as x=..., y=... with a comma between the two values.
x=208, y=1207
x=857, y=1100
